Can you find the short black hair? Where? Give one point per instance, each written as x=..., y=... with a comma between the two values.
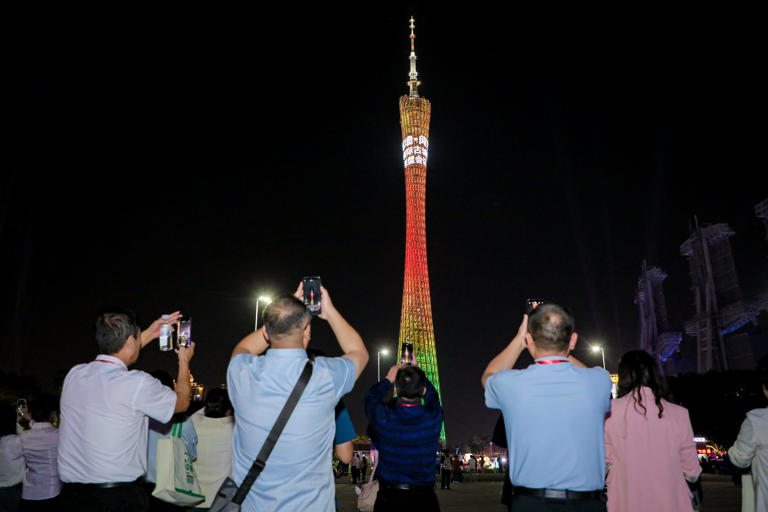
x=410, y=382
x=551, y=327
x=41, y=406
x=285, y=314
x=217, y=403
x=113, y=328
x=7, y=418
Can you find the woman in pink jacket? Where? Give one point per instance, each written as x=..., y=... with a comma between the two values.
x=648, y=442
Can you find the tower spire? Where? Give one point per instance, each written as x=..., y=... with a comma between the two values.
x=413, y=83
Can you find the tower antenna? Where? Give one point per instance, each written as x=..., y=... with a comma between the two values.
x=413, y=83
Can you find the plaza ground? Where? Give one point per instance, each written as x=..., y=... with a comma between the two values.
x=720, y=495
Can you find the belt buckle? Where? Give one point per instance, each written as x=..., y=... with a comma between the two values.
x=556, y=494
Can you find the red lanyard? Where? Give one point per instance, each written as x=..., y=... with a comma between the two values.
x=551, y=361
x=105, y=361
x=404, y=404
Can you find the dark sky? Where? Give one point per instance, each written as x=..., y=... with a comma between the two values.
x=195, y=162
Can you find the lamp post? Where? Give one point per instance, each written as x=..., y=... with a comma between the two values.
x=265, y=300
x=378, y=362
x=595, y=348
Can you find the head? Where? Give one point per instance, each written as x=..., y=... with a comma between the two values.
x=762, y=374
x=287, y=323
x=217, y=404
x=7, y=418
x=410, y=383
x=118, y=334
x=551, y=331
x=44, y=408
x=637, y=368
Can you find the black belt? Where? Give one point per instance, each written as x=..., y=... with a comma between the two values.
x=405, y=487
x=102, y=485
x=559, y=494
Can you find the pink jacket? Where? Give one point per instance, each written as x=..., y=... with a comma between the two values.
x=649, y=456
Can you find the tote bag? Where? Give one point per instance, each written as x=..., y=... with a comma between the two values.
x=176, y=479
x=368, y=493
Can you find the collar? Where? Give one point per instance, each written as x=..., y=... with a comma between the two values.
x=403, y=403
x=290, y=353
x=548, y=360
x=109, y=361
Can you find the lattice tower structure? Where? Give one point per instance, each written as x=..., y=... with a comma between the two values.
x=416, y=315
x=655, y=337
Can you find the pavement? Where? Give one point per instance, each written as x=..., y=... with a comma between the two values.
x=720, y=495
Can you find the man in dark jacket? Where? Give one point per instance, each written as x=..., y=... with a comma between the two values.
x=406, y=432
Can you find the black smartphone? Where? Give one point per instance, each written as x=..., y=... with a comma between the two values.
x=21, y=403
x=312, y=294
x=406, y=353
x=531, y=304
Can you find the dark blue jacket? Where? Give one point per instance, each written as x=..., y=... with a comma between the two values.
x=406, y=436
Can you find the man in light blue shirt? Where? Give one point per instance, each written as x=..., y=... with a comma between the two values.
x=298, y=474
x=553, y=412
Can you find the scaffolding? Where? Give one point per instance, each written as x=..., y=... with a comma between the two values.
x=655, y=336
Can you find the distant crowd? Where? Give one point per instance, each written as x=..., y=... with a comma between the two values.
x=126, y=440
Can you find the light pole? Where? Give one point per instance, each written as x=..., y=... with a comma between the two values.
x=595, y=348
x=378, y=362
x=265, y=300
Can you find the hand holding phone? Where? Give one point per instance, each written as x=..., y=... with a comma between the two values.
x=407, y=355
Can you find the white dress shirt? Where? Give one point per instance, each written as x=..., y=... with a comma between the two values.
x=40, y=445
x=103, y=431
x=751, y=448
x=11, y=461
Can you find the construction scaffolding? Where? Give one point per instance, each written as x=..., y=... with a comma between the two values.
x=655, y=336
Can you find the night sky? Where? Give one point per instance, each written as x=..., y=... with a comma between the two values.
x=196, y=162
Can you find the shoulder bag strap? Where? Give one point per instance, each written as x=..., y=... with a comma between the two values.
x=277, y=429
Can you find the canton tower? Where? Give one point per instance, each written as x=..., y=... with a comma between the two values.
x=416, y=317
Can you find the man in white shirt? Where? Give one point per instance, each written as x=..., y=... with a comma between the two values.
x=104, y=416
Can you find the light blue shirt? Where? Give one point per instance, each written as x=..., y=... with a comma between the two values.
x=159, y=431
x=297, y=475
x=554, y=415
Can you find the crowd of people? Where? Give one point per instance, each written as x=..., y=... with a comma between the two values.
x=562, y=430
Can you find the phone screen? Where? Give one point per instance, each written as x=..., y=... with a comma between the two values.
x=406, y=353
x=185, y=332
x=312, y=294
x=531, y=304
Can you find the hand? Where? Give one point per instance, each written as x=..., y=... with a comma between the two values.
x=518, y=341
x=299, y=293
x=153, y=331
x=392, y=373
x=326, y=305
x=185, y=353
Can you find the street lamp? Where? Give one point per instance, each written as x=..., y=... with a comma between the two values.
x=378, y=362
x=265, y=300
x=596, y=348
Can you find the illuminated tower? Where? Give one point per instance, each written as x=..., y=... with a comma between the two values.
x=416, y=317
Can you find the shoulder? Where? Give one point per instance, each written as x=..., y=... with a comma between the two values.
x=334, y=364
x=508, y=376
x=758, y=415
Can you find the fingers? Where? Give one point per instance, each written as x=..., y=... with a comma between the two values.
x=299, y=293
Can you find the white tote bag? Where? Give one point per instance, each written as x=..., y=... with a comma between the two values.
x=176, y=479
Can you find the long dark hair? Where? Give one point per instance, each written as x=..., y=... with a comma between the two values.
x=637, y=368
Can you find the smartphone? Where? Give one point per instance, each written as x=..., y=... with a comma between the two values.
x=531, y=304
x=312, y=294
x=406, y=353
x=185, y=332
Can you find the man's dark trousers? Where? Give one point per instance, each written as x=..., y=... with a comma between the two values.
x=520, y=503
x=398, y=500
x=86, y=498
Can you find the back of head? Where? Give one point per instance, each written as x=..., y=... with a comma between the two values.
x=410, y=382
x=551, y=327
x=217, y=404
x=762, y=371
x=637, y=368
x=285, y=319
x=41, y=407
x=7, y=418
x=113, y=328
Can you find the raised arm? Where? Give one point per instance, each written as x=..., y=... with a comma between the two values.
x=255, y=344
x=349, y=340
x=183, y=386
x=508, y=357
x=153, y=331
